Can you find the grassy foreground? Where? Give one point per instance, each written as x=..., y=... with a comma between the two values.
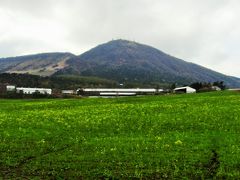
x=179, y=136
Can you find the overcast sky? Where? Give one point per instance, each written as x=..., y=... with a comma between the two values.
x=205, y=32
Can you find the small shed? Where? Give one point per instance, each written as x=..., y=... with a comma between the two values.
x=10, y=88
x=185, y=89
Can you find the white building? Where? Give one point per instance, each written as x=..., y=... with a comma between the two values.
x=216, y=88
x=236, y=89
x=117, y=92
x=33, y=90
x=185, y=89
x=10, y=88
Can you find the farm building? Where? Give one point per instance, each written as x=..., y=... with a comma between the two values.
x=68, y=92
x=10, y=88
x=33, y=90
x=116, y=92
x=185, y=89
x=216, y=88
x=236, y=89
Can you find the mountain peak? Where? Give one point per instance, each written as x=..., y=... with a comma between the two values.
x=123, y=41
x=120, y=43
x=128, y=61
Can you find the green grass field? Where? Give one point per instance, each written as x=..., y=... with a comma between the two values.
x=153, y=137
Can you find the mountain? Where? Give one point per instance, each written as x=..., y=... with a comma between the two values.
x=126, y=61
x=118, y=61
x=44, y=64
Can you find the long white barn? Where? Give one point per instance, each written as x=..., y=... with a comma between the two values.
x=33, y=90
x=116, y=92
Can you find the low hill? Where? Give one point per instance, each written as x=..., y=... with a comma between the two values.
x=44, y=64
x=126, y=61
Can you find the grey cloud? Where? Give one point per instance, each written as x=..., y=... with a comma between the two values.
x=30, y=7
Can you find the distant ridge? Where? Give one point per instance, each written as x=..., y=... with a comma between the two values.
x=44, y=64
x=118, y=60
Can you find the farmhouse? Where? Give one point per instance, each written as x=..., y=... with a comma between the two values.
x=185, y=89
x=33, y=90
x=116, y=92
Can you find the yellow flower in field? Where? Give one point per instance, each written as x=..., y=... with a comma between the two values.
x=158, y=138
x=113, y=149
x=42, y=141
x=178, y=142
x=166, y=145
